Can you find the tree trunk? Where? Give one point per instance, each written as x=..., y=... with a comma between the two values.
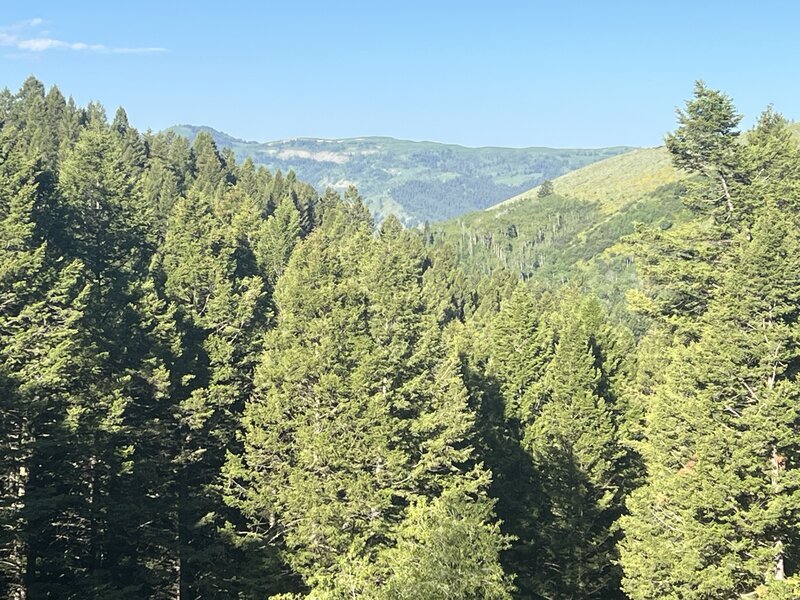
x=183, y=584
x=19, y=554
x=780, y=573
x=727, y=193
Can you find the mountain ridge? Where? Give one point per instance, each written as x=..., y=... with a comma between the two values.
x=417, y=181
x=303, y=138
x=614, y=181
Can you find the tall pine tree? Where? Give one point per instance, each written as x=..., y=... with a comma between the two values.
x=358, y=434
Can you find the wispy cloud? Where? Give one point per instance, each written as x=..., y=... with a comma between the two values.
x=29, y=37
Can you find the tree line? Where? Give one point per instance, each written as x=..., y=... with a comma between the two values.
x=217, y=383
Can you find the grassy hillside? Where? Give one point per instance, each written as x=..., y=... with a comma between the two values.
x=575, y=232
x=576, y=229
x=417, y=181
x=617, y=181
x=614, y=182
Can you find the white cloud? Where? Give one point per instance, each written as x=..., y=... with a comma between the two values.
x=38, y=44
x=28, y=37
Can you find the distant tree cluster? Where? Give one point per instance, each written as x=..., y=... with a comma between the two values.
x=217, y=383
x=455, y=196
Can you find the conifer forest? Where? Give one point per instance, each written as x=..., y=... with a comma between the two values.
x=219, y=382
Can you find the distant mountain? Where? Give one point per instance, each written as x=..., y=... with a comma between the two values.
x=417, y=181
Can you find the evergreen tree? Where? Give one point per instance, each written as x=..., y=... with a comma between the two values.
x=39, y=314
x=717, y=400
x=221, y=321
x=717, y=516
x=120, y=386
x=448, y=548
x=706, y=143
x=546, y=189
x=215, y=384
x=554, y=427
x=123, y=369
x=165, y=177
x=679, y=265
x=277, y=238
x=357, y=416
x=580, y=459
x=210, y=171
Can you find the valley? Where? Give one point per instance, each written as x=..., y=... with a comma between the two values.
x=415, y=181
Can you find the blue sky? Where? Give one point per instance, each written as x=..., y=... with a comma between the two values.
x=527, y=73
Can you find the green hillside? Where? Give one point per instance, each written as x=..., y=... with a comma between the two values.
x=614, y=182
x=576, y=228
x=416, y=181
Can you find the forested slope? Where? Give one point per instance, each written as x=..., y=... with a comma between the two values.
x=572, y=227
x=218, y=383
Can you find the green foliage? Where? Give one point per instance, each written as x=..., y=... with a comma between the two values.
x=358, y=416
x=706, y=143
x=574, y=233
x=716, y=513
x=40, y=314
x=122, y=356
x=577, y=446
x=555, y=239
x=277, y=238
x=215, y=383
x=448, y=548
x=715, y=518
x=559, y=449
x=706, y=138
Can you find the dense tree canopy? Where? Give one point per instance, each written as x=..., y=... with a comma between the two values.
x=217, y=383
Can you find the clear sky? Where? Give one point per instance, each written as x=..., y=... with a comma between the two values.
x=527, y=73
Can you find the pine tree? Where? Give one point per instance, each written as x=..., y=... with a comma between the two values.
x=39, y=315
x=716, y=518
x=276, y=239
x=165, y=177
x=110, y=414
x=546, y=189
x=553, y=421
x=680, y=265
x=210, y=172
x=717, y=390
x=221, y=315
x=127, y=344
x=448, y=548
x=772, y=161
x=357, y=416
x=505, y=359
x=575, y=444
x=706, y=143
